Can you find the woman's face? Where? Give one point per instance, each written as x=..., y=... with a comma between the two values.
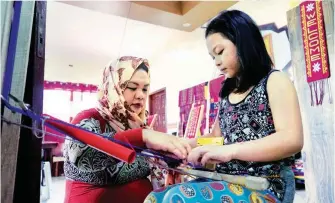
x=224, y=53
x=136, y=91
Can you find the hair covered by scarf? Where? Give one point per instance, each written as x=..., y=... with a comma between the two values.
x=111, y=103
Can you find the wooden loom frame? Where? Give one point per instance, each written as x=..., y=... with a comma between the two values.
x=20, y=149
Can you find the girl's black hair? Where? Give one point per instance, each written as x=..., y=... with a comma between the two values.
x=254, y=60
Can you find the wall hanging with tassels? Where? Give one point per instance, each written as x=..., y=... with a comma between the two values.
x=315, y=50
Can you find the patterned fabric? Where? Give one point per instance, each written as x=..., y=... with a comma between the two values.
x=251, y=119
x=112, y=105
x=158, y=174
x=203, y=190
x=86, y=164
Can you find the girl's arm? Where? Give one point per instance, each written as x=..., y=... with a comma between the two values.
x=288, y=138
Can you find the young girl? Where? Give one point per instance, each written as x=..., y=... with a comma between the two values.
x=259, y=119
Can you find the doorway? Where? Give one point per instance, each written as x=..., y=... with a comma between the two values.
x=157, y=105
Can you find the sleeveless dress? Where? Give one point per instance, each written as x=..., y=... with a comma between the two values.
x=250, y=119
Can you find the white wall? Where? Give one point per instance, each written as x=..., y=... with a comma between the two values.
x=265, y=11
x=183, y=64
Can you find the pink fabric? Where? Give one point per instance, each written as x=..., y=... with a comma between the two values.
x=151, y=120
x=314, y=41
x=187, y=97
x=214, y=91
x=50, y=85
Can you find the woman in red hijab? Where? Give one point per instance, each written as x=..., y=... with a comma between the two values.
x=94, y=177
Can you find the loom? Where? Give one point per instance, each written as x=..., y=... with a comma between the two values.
x=125, y=151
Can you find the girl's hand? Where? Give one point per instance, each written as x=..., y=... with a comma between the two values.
x=212, y=154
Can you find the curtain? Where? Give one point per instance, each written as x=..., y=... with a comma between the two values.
x=64, y=101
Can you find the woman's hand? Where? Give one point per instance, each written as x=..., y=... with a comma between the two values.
x=212, y=154
x=165, y=142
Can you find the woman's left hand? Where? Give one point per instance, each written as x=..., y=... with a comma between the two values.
x=212, y=154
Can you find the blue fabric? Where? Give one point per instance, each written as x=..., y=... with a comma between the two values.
x=7, y=83
x=205, y=190
x=287, y=175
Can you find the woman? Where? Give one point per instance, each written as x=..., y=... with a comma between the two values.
x=258, y=118
x=94, y=177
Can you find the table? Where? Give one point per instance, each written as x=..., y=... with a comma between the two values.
x=47, y=147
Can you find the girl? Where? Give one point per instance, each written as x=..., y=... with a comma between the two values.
x=259, y=119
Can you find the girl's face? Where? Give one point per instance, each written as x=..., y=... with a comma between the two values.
x=224, y=53
x=136, y=91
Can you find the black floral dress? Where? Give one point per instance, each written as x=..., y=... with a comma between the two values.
x=88, y=165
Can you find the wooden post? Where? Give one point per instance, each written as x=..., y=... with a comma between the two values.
x=27, y=187
x=6, y=19
x=11, y=134
x=20, y=149
x=318, y=121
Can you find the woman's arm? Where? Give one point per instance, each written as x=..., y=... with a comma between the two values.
x=288, y=138
x=143, y=138
x=82, y=155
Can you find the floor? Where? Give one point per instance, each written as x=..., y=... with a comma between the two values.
x=58, y=187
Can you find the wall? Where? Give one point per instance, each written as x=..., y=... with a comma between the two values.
x=183, y=64
x=318, y=121
x=264, y=12
x=281, y=48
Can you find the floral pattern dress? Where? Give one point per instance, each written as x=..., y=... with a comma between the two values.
x=86, y=164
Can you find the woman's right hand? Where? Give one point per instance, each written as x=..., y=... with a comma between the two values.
x=165, y=142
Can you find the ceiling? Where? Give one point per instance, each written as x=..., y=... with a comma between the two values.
x=88, y=40
x=181, y=15
x=82, y=37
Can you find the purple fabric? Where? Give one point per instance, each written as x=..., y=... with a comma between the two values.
x=187, y=97
x=214, y=90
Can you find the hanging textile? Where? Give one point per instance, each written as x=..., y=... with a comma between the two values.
x=315, y=50
x=197, y=95
x=214, y=90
